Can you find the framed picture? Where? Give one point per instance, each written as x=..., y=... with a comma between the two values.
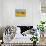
x=20, y=12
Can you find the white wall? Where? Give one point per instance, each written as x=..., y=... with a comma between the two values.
x=36, y=12
x=0, y=12
x=32, y=12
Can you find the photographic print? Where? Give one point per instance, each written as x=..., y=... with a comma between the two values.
x=20, y=12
